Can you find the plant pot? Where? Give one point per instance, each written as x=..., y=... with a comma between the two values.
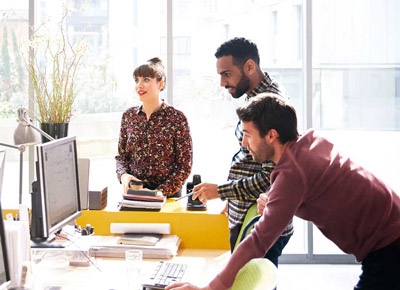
x=55, y=130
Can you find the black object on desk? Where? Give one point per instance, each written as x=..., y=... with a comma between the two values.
x=194, y=204
x=135, y=185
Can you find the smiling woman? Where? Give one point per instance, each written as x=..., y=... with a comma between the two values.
x=150, y=80
x=155, y=146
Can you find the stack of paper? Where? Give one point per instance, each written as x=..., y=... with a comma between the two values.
x=108, y=246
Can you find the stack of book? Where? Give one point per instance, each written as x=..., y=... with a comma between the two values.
x=142, y=199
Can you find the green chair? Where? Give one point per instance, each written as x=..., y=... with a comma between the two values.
x=257, y=274
x=250, y=219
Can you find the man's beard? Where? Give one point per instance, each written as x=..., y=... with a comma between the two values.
x=242, y=87
x=267, y=153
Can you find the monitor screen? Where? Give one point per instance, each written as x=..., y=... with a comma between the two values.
x=55, y=196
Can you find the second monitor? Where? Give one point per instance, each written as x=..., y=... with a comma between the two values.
x=55, y=193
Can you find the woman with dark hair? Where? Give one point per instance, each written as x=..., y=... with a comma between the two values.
x=155, y=146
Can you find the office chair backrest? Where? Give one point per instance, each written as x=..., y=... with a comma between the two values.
x=257, y=274
x=249, y=221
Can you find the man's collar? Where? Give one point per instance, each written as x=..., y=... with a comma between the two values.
x=266, y=82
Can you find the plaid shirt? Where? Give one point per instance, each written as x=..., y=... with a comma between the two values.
x=248, y=179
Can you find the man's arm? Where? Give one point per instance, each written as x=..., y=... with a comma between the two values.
x=245, y=189
x=284, y=198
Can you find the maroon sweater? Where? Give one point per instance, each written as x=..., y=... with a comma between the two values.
x=350, y=206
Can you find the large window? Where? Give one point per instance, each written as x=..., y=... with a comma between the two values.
x=354, y=98
x=13, y=76
x=356, y=84
x=13, y=89
x=356, y=65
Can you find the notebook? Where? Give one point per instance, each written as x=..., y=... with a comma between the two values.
x=140, y=239
x=144, y=197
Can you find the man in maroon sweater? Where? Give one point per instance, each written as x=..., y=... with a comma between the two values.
x=313, y=181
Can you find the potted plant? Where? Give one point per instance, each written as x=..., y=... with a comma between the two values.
x=53, y=63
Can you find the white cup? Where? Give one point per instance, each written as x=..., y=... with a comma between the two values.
x=133, y=259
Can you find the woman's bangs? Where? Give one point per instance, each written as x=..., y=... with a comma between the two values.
x=144, y=71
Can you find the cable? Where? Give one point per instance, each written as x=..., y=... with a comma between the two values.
x=83, y=252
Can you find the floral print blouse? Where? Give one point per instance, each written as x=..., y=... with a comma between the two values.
x=157, y=151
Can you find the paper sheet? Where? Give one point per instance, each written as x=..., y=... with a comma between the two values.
x=144, y=228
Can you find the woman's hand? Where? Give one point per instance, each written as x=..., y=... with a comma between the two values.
x=126, y=179
x=185, y=286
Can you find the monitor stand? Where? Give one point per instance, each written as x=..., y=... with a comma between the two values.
x=45, y=243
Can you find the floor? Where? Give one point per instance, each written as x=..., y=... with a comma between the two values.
x=313, y=277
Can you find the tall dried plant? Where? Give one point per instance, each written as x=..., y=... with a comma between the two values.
x=53, y=69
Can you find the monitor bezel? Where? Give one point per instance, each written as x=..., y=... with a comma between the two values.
x=49, y=230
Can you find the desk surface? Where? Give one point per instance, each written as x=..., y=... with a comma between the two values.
x=109, y=273
x=197, y=229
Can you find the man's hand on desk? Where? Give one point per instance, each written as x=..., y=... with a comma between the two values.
x=205, y=191
x=185, y=286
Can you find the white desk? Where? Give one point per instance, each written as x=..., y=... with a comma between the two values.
x=203, y=265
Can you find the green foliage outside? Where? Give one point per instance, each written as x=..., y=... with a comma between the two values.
x=13, y=81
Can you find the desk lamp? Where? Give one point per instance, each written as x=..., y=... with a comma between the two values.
x=24, y=136
x=24, y=133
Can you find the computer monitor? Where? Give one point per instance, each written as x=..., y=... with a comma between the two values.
x=55, y=193
x=5, y=279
